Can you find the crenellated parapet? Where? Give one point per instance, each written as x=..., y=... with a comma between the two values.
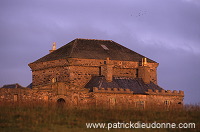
x=165, y=92
x=112, y=90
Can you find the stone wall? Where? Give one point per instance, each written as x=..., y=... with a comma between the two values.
x=80, y=75
x=44, y=73
x=72, y=98
x=122, y=98
x=107, y=98
x=77, y=72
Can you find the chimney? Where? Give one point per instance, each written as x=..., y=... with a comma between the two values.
x=143, y=71
x=144, y=61
x=107, y=70
x=53, y=47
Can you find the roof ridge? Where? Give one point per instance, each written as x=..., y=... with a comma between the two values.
x=92, y=39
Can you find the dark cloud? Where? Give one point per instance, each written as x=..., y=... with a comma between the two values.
x=167, y=31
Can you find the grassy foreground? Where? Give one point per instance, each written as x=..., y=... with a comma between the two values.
x=40, y=118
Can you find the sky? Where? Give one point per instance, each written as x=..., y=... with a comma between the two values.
x=167, y=31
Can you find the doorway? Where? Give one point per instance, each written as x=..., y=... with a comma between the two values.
x=61, y=102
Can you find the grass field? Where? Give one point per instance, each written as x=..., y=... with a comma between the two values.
x=36, y=118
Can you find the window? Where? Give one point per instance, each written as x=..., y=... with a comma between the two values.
x=136, y=73
x=167, y=102
x=15, y=97
x=112, y=102
x=100, y=71
x=103, y=46
x=140, y=104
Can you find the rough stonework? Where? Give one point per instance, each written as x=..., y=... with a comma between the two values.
x=87, y=72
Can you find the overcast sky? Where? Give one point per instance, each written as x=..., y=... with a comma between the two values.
x=167, y=31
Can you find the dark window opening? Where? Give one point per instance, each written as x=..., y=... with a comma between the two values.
x=167, y=102
x=61, y=101
x=99, y=71
x=136, y=73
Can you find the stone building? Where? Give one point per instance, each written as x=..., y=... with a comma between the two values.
x=90, y=72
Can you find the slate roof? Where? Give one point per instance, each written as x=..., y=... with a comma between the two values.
x=93, y=49
x=136, y=85
x=16, y=85
x=30, y=85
